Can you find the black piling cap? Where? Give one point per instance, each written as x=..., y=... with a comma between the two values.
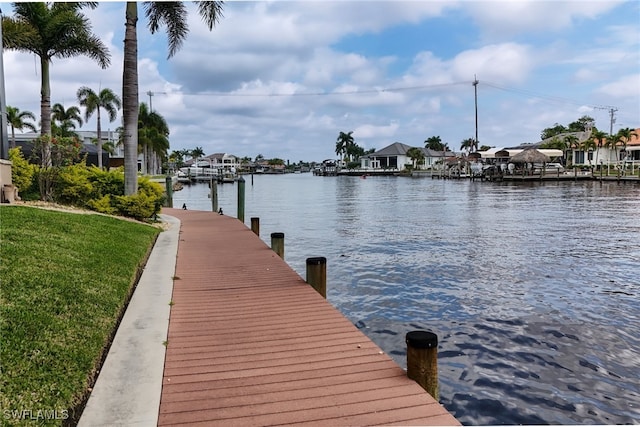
x=422, y=339
x=277, y=235
x=316, y=260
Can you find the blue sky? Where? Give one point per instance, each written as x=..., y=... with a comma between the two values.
x=282, y=79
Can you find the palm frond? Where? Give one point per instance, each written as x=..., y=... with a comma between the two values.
x=173, y=16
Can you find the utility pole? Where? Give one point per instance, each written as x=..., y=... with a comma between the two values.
x=475, y=90
x=612, y=118
x=150, y=93
x=612, y=112
x=150, y=104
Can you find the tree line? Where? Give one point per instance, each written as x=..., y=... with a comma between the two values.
x=560, y=137
x=60, y=30
x=348, y=150
x=153, y=130
x=563, y=138
x=177, y=158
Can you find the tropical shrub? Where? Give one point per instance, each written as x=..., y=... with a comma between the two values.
x=54, y=153
x=103, y=191
x=139, y=206
x=73, y=185
x=107, y=182
x=22, y=172
x=103, y=205
x=153, y=190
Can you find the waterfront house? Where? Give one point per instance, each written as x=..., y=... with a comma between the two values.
x=607, y=155
x=603, y=155
x=25, y=141
x=431, y=157
x=632, y=151
x=219, y=160
x=395, y=156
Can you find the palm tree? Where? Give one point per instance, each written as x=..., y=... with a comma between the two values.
x=63, y=120
x=354, y=151
x=173, y=16
x=344, y=143
x=176, y=158
x=572, y=142
x=52, y=30
x=17, y=120
x=185, y=153
x=92, y=103
x=624, y=136
x=153, y=137
x=588, y=145
x=434, y=143
x=196, y=153
x=416, y=155
x=611, y=143
x=109, y=147
x=467, y=144
x=598, y=137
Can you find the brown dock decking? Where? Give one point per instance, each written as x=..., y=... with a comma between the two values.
x=251, y=344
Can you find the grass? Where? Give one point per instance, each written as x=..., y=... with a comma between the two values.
x=65, y=280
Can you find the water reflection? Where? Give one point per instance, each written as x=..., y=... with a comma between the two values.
x=532, y=289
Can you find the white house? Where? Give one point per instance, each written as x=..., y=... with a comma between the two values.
x=219, y=160
x=395, y=156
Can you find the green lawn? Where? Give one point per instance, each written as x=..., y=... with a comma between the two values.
x=64, y=281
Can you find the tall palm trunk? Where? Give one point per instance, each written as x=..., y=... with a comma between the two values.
x=130, y=100
x=145, y=159
x=99, y=140
x=45, y=110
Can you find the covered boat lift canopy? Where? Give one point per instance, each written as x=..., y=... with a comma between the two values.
x=498, y=152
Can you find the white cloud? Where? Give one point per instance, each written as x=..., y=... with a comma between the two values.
x=625, y=87
x=508, y=62
x=367, y=131
x=225, y=89
x=500, y=19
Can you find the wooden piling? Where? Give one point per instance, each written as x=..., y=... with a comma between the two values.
x=213, y=184
x=255, y=225
x=317, y=274
x=241, y=199
x=277, y=243
x=422, y=360
x=169, y=187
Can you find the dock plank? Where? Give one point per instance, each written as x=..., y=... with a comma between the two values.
x=250, y=343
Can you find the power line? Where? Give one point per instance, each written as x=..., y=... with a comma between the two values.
x=551, y=98
x=298, y=94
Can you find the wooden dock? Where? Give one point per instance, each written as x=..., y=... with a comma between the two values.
x=251, y=344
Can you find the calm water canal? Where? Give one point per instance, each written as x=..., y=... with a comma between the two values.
x=532, y=289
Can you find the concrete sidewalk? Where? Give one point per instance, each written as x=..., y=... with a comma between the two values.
x=128, y=389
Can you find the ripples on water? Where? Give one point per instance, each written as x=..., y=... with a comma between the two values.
x=532, y=289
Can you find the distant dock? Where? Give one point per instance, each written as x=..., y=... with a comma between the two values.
x=250, y=343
